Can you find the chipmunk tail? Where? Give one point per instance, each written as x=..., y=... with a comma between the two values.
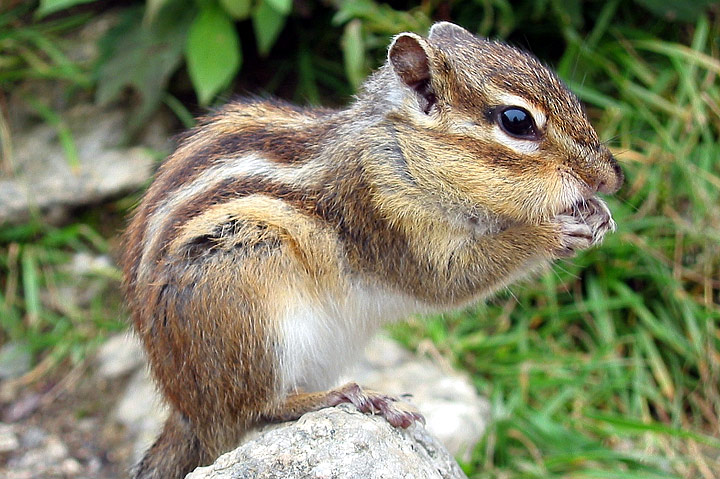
x=175, y=453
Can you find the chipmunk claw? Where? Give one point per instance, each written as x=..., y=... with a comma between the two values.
x=582, y=226
x=575, y=235
x=396, y=411
x=597, y=215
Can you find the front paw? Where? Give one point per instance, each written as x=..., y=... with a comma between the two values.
x=595, y=213
x=574, y=234
x=583, y=226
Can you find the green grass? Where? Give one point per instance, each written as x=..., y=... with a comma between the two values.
x=608, y=366
x=53, y=302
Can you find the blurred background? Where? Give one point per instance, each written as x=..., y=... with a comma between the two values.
x=607, y=366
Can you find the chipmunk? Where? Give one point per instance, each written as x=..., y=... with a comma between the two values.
x=275, y=240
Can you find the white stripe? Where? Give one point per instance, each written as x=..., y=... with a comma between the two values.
x=517, y=145
x=249, y=165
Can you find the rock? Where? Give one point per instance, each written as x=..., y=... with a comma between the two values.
x=454, y=412
x=337, y=442
x=22, y=407
x=139, y=403
x=84, y=263
x=141, y=411
x=71, y=467
x=33, y=437
x=8, y=439
x=44, y=179
x=119, y=355
x=44, y=460
x=88, y=277
x=39, y=176
x=15, y=360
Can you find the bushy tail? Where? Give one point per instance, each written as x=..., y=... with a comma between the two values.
x=176, y=452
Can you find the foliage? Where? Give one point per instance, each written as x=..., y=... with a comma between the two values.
x=213, y=52
x=48, y=7
x=125, y=51
x=37, y=52
x=40, y=307
x=207, y=36
x=34, y=51
x=202, y=33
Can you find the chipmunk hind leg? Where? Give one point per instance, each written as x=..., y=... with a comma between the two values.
x=397, y=412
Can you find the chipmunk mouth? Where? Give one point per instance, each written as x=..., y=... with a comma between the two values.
x=576, y=192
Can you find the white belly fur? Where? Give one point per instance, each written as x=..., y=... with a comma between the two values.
x=320, y=337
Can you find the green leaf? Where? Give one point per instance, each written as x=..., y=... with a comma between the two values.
x=678, y=10
x=213, y=52
x=238, y=9
x=142, y=57
x=353, y=49
x=268, y=23
x=31, y=284
x=152, y=8
x=51, y=6
x=625, y=426
x=281, y=6
x=569, y=12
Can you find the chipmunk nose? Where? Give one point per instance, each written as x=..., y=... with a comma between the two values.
x=600, y=172
x=612, y=176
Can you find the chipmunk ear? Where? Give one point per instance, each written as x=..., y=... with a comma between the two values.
x=447, y=30
x=410, y=58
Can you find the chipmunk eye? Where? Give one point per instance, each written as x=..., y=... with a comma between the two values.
x=518, y=122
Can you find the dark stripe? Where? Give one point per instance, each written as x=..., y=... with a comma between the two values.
x=275, y=143
x=370, y=242
x=132, y=249
x=223, y=192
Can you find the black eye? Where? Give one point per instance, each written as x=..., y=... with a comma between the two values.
x=517, y=121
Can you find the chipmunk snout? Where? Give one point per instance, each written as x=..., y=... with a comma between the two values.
x=606, y=177
x=600, y=173
x=611, y=178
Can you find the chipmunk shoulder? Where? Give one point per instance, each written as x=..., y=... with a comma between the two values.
x=275, y=240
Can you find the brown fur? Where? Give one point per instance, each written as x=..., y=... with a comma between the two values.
x=270, y=220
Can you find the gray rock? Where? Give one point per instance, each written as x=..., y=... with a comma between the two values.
x=119, y=355
x=142, y=411
x=84, y=263
x=44, y=179
x=33, y=437
x=8, y=439
x=15, y=360
x=336, y=443
x=140, y=408
x=88, y=276
x=454, y=412
x=42, y=461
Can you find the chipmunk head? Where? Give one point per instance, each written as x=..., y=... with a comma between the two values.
x=499, y=129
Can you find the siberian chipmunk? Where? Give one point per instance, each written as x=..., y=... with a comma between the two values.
x=275, y=240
